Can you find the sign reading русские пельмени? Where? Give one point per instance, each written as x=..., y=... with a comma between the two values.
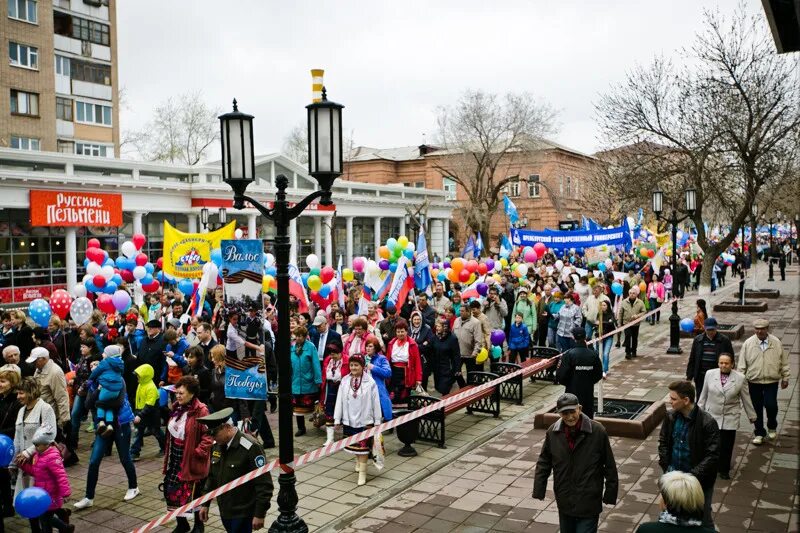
x=60, y=208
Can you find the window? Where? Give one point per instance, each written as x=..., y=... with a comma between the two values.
x=449, y=186
x=92, y=113
x=513, y=186
x=568, y=187
x=24, y=143
x=89, y=30
x=533, y=186
x=23, y=103
x=419, y=184
x=22, y=10
x=21, y=55
x=65, y=147
x=91, y=72
x=96, y=150
x=63, y=66
x=64, y=108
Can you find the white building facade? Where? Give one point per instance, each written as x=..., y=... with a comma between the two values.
x=37, y=258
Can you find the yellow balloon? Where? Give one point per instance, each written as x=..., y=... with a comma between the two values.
x=496, y=277
x=504, y=262
x=471, y=278
x=402, y=240
x=347, y=274
x=266, y=282
x=314, y=283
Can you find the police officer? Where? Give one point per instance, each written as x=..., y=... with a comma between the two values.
x=580, y=368
x=235, y=454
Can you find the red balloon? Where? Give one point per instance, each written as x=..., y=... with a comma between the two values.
x=472, y=265
x=539, y=248
x=141, y=260
x=482, y=269
x=127, y=276
x=99, y=281
x=151, y=287
x=105, y=303
x=464, y=275
x=160, y=262
x=138, y=240
x=326, y=274
x=93, y=243
x=651, y=253
x=60, y=302
x=95, y=254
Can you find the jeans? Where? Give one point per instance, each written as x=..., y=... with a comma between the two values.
x=590, y=329
x=608, y=342
x=238, y=525
x=49, y=520
x=154, y=425
x=654, y=305
x=765, y=395
x=564, y=343
x=551, y=337
x=573, y=524
x=122, y=438
x=631, y=340
x=259, y=417
x=77, y=414
x=727, y=438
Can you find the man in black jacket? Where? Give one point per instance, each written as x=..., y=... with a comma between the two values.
x=705, y=351
x=578, y=452
x=579, y=369
x=152, y=349
x=689, y=442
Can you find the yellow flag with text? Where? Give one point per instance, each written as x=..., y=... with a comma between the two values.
x=186, y=253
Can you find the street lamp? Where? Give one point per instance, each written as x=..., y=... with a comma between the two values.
x=771, y=251
x=238, y=171
x=690, y=199
x=222, y=215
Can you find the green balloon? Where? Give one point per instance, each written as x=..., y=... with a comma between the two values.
x=314, y=272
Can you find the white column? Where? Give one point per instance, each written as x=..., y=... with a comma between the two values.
x=318, y=239
x=349, y=252
x=192, y=222
x=403, y=225
x=377, y=230
x=434, y=241
x=137, y=222
x=252, y=229
x=293, y=241
x=329, y=240
x=446, y=238
x=70, y=249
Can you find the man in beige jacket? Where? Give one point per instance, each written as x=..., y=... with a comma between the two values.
x=469, y=332
x=52, y=383
x=764, y=362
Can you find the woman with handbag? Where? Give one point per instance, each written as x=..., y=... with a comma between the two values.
x=306, y=378
x=403, y=356
x=334, y=368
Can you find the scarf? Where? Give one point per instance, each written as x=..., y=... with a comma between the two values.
x=668, y=518
x=416, y=331
x=179, y=409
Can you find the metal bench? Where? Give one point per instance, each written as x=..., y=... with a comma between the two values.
x=511, y=390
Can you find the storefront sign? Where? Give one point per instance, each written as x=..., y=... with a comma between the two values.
x=27, y=294
x=59, y=208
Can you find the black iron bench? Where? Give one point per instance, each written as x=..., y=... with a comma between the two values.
x=432, y=425
x=511, y=390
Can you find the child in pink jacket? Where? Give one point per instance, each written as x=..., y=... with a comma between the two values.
x=47, y=470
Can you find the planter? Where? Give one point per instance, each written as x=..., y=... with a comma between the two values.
x=407, y=433
x=733, y=306
x=762, y=293
x=621, y=417
x=732, y=331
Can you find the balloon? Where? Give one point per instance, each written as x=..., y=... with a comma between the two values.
x=446, y=264
x=687, y=325
x=482, y=356
x=39, y=310
x=482, y=269
x=312, y=261
x=497, y=351
x=6, y=450
x=489, y=264
x=141, y=259
x=463, y=276
x=95, y=254
x=651, y=253
x=616, y=288
x=442, y=275
x=393, y=268
x=105, y=304
x=497, y=337
x=347, y=274
x=402, y=241
x=410, y=247
x=384, y=252
x=272, y=271
x=270, y=260
x=314, y=283
x=127, y=276
x=482, y=288
x=358, y=265
x=153, y=287
x=409, y=254
x=139, y=272
x=60, y=301
x=107, y=272
x=78, y=291
x=185, y=286
x=326, y=274
x=601, y=267
x=530, y=256
x=238, y=234
x=522, y=269
x=452, y=275
x=32, y=502
x=324, y=291
x=642, y=286
x=110, y=287
x=384, y=264
x=216, y=257
x=559, y=265
x=391, y=243
x=457, y=264
x=503, y=262
x=81, y=310
x=472, y=265
x=99, y=281
x=266, y=283
x=121, y=300
x=93, y=243
x=93, y=269
x=609, y=263
x=138, y=240
x=128, y=249
x=539, y=248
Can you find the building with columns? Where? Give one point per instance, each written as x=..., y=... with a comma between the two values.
x=38, y=256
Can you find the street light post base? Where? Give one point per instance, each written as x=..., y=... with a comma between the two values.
x=287, y=521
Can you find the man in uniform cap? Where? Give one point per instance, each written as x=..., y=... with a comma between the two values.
x=579, y=369
x=235, y=454
x=764, y=362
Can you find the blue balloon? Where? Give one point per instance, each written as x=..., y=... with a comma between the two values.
x=110, y=287
x=39, y=310
x=149, y=268
x=409, y=254
x=6, y=450
x=108, y=261
x=160, y=276
x=601, y=267
x=616, y=288
x=86, y=262
x=185, y=286
x=442, y=276
x=116, y=278
x=216, y=256
x=687, y=325
x=305, y=277
x=32, y=502
x=148, y=279
x=324, y=291
x=272, y=271
x=393, y=267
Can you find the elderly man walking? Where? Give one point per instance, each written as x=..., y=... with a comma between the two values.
x=765, y=363
x=578, y=452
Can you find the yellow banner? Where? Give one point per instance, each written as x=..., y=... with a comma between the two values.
x=663, y=238
x=186, y=253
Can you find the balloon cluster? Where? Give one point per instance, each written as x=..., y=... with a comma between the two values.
x=321, y=282
x=393, y=250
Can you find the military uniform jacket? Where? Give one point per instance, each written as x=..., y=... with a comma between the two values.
x=250, y=500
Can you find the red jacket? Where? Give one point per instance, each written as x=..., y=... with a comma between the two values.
x=414, y=369
x=344, y=371
x=197, y=445
x=47, y=469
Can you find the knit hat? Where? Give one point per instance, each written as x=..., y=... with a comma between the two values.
x=112, y=350
x=44, y=435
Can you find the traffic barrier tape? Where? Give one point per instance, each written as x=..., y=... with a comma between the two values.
x=337, y=446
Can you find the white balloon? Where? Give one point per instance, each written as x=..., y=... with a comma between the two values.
x=270, y=260
x=79, y=290
x=609, y=263
x=312, y=261
x=87, y=277
x=107, y=272
x=139, y=272
x=238, y=233
x=128, y=249
x=93, y=269
x=81, y=310
x=559, y=264
x=373, y=268
x=522, y=268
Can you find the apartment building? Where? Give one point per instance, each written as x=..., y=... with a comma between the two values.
x=59, y=89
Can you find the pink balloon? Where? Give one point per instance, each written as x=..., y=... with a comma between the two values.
x=358, y=264
x=539, y=248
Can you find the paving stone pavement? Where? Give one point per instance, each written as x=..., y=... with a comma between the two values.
x=482, y=480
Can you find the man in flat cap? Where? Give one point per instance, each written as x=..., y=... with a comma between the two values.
x=235, y=454
x=151, y=351
x=764, y=362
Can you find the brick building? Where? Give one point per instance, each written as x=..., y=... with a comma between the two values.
x=547, y=183
x=59, y=88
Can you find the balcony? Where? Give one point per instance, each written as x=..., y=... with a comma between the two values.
x=92, y=90
x=82, y=48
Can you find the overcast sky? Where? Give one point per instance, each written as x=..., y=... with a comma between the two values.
x=391, y=63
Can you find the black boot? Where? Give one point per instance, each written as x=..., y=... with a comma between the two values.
x=182, y=525
x=301, y=426
x=199, y=526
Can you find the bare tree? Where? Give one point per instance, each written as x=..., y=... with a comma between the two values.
x=482, y=135
x=295, y=144
x=727, y=119
x=181, y=131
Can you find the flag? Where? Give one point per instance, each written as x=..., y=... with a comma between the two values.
x=478, y=245
x=402, y=283
x=472, y=290
x=585, y=223
x=340, y=284
x=186, y=253
x=297, y=289
x=469, y=248
x=511, y=209
x=422, y=267
x=505, y=246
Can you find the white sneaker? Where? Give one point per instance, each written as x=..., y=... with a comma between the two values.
x=83, y=504
x=131, y=494
x=758, y=440
x=772, y=434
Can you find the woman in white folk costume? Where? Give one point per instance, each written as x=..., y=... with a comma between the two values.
x=358, y=408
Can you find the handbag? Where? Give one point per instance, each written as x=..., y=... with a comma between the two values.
x=318, y=416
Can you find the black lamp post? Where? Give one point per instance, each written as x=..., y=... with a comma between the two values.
x=238, y=171
x=222, y=215
x=771, y=252
x=674, y=220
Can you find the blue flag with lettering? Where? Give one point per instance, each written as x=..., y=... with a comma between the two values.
x=511, y=209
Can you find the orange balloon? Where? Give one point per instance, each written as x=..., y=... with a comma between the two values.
x=642, y=286
x=457, y=264
x=452, y=275
x=384, y=252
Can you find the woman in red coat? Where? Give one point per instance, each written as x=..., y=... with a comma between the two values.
x=187, y=454
x=403, y=356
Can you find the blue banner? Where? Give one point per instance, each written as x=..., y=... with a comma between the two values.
x=243, y=271
x=560, y=240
